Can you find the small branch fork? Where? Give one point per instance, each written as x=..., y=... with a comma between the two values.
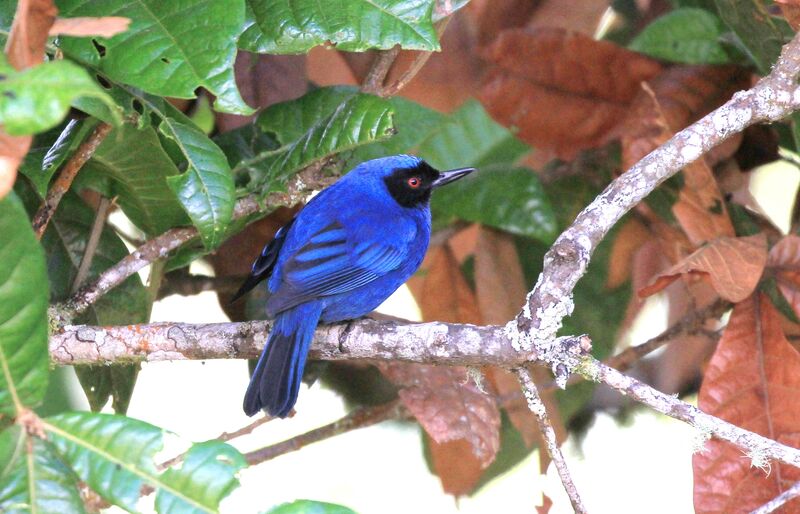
x=530, y=337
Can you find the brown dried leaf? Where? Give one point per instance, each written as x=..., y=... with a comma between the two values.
x=105, y=26
x=25, y=48
x=791, y=11
x=456, y=466
x=733, y=264
x=446, y=295
x=12, y=151
x=784, y=259
x=563, y=91
x=674, y=99
x=499, y=279
x=753, y=381
x=630, y=238
x=700, y=208
x=29, y=30
x=448, y=405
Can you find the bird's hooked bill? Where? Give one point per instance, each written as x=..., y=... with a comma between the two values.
x=445, y=177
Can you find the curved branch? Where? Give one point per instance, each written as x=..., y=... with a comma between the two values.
x=771, y=99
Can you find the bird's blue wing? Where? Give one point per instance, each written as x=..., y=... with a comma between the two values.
x=332, y=263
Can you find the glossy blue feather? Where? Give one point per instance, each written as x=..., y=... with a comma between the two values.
x=344, y=253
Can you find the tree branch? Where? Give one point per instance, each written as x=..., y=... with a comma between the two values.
x=68, y=173
x=771, y=99
x=431, y=343
x=359, y=418
x=536, y=406
x=373, y=82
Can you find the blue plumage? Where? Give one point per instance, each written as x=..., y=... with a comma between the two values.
x=344, y=253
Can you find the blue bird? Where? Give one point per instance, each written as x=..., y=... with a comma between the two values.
x=344, y=253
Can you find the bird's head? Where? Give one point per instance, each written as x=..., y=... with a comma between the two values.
x=409, y=179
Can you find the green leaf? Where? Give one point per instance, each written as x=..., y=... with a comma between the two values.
x=244, y=143
x=413, y=123
x=207, y=474
x=115, y=456
x=511, y=199
x=65, y=243
x=24, y=358
x=50, y=149
x=688, y=35
x=139, y=169
x=206, y=189
x=170, y=48
x=36, y=99
x=310, y=507
x=470, y=137
x=296, y=26
x=103, y=382
x=761, y=34
x=358, y=120
x=34, y=479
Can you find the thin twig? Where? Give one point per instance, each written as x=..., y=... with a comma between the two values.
x=188, y=285
x=68, y=173
x=91, y=245
x=359, y=418
x=415, y=67
x=373, y=82
x=777, y=502
x=691, y=324
x=549, y=435
x=159, y=247
x=224, y=437
x=227, y=436
x=708, y=425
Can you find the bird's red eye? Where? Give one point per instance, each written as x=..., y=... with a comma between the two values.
x=414, y=182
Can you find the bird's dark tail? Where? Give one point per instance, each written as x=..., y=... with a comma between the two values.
x=277, y=376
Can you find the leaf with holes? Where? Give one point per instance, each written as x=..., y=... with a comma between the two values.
x=206, y=475
x=33, y=478
x=37, y=99
x=24, y=358
x=752, y=381
x=564, y=92
x=356, y=121
x=137, y=169
x=732, y=264
x=170, y=48
x=115, y=455
x=296, y=26
x=687, y=35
